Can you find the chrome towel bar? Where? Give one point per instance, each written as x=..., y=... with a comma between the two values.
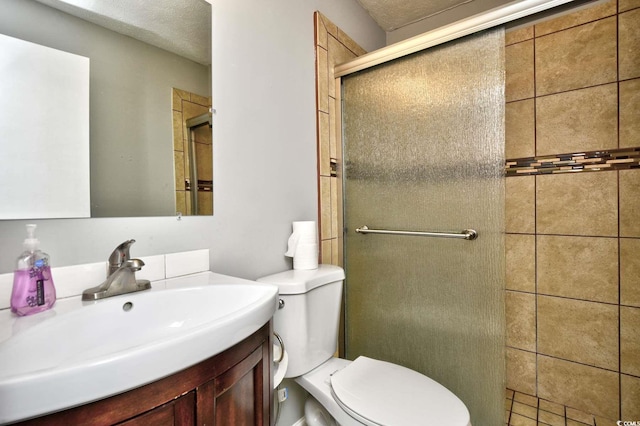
x=467, y=234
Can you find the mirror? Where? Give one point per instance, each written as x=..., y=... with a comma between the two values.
x=149, y=73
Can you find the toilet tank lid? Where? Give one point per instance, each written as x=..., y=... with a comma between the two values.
x=298, y=281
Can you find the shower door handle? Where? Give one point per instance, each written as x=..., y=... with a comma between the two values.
x=467, y=234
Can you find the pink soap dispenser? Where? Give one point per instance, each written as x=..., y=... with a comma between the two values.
x=33, y=289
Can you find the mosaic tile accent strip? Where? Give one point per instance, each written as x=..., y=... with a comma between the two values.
x=594, y=161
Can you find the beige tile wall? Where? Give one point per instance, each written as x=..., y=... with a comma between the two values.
x=186, y=105
x=573, y=240
x=333, y=47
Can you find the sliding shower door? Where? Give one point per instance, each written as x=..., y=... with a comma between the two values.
x=424, y=151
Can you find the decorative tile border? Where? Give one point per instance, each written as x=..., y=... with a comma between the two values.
x=594, y=161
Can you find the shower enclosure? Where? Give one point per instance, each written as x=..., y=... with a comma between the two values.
x=423, y=141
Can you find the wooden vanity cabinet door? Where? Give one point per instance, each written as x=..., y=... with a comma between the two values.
x=179, y=412
x=240, y=396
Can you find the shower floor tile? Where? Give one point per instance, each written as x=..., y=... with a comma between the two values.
x=526, y=410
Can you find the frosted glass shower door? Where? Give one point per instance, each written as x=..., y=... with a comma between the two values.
x=424, y=151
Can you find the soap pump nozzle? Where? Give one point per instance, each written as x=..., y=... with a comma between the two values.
x=31, y=243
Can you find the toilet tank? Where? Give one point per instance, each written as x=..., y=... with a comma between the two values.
x=309, y=319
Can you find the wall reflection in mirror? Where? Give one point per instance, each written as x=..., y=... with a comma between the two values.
x=141, y=161
x=42, y=101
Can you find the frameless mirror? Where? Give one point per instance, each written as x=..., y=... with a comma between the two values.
x=149, y=75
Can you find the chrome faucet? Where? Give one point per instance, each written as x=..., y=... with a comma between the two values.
x=121, y=278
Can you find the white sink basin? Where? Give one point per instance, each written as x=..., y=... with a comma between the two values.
x=84, y=351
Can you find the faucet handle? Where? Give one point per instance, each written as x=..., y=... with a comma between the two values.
x=134, y=264
x=120, y=255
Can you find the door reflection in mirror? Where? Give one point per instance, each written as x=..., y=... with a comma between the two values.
x=193, y=154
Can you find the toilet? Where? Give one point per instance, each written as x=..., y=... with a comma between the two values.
x=365, y=391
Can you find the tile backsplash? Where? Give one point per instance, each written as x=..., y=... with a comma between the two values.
x=73, y=280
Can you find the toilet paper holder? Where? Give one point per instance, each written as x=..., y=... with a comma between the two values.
x=281, y=343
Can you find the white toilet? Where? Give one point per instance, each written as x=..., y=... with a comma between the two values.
x=364, y=391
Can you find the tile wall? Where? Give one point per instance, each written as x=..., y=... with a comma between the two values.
x=186, y=105
x=333, y=47
x=573, y=239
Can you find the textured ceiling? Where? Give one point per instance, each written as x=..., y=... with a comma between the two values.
x=393, y=14
x=184, y=26
x=179, y=26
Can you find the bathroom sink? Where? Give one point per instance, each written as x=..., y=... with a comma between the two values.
x=80, y=352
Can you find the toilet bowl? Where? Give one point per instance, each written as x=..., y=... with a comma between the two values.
x=365, y=391
x=316, y=415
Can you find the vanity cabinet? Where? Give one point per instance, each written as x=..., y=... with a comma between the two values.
x=233, y=388
x=177, y=412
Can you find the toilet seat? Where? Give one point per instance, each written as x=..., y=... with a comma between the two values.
x=381, y=393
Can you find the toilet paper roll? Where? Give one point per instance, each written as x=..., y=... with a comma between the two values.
x=304, y=232
x=303, y=245
x=306, y=257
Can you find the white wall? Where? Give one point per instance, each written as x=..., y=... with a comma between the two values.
x=264, y=147
x=447, y=17
x=264, y=129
